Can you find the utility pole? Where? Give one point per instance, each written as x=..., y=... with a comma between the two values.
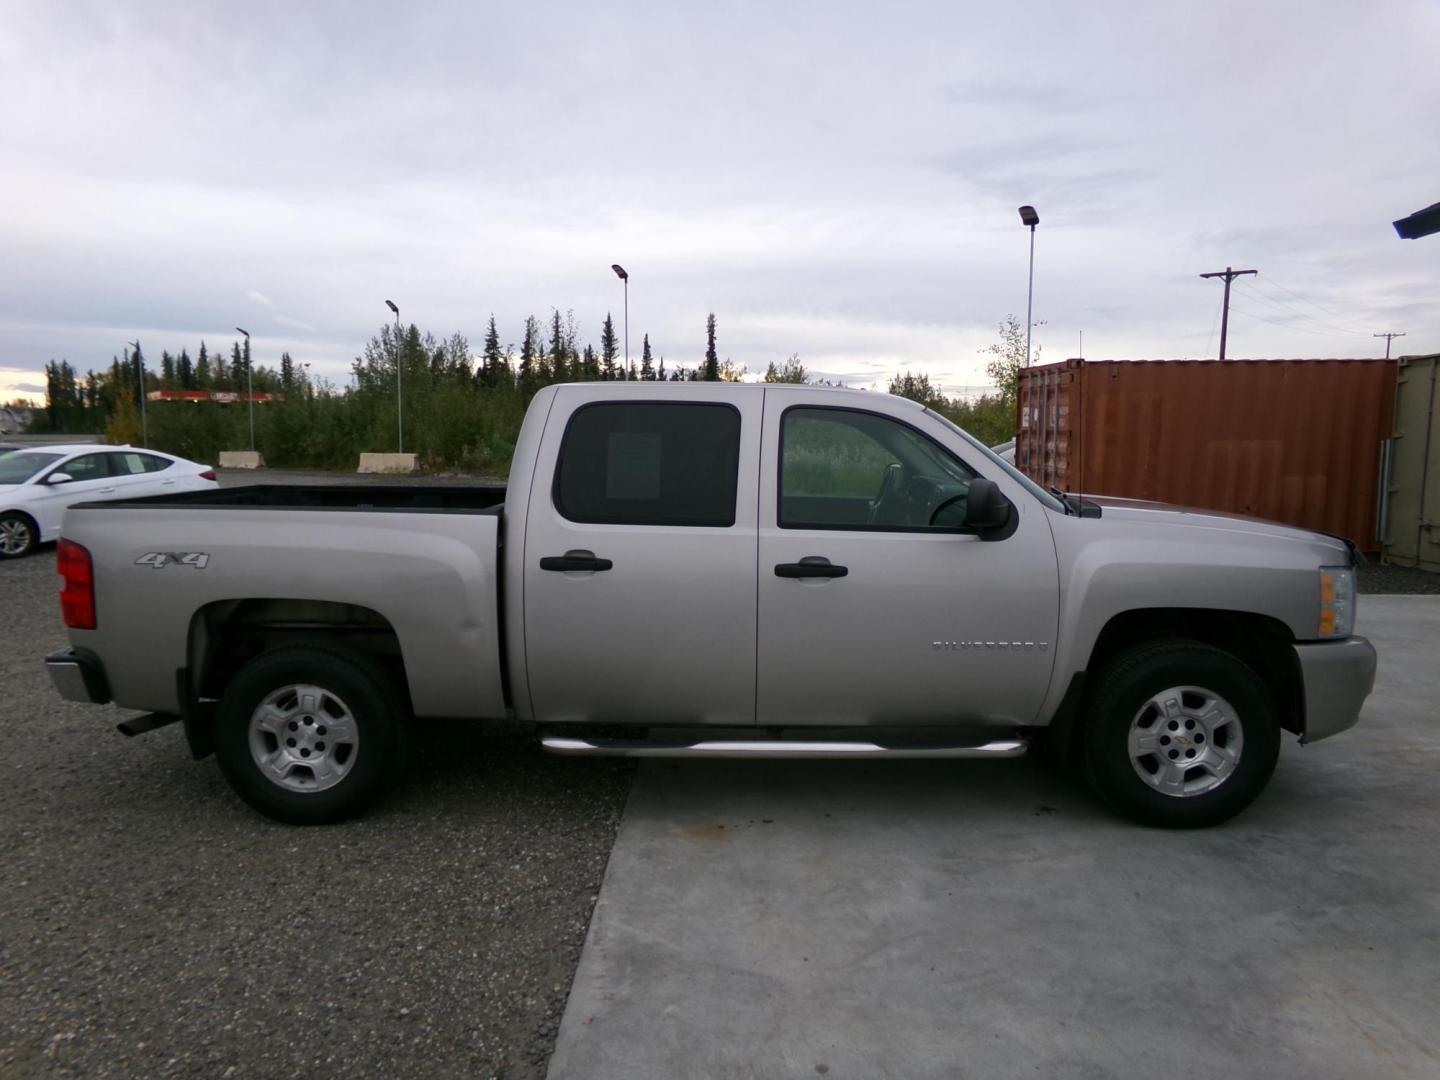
x=1229, y=276
x=1388, y=336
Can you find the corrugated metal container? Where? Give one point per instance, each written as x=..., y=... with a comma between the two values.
x=1296, y=441
x=1412, y=518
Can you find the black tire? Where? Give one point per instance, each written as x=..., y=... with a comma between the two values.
x=353, y=696
x=1217, y=783
x=18, y=535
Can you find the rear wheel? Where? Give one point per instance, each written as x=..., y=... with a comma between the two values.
x=308, y=736
x=1179, y=735
x=18, y=536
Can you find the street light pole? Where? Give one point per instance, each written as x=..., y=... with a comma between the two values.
x=1028, y=216
x=140, y=367
x=399, y=400
x=624, y=277
x=249, y=386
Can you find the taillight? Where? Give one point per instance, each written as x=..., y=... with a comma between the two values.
x=208, y=474
x=77, y=585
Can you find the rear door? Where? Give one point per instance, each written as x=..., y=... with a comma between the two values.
x=133, y=475
x=639, y=560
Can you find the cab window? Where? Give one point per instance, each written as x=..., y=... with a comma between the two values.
x=650, y=463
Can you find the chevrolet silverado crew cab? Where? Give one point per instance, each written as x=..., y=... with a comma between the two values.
x=717, y=570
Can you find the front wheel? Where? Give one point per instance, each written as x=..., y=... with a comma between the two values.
x=1179, y=735
x=18, y=536
x=308, y=736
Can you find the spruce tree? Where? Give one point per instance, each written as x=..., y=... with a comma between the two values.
x=204, y=377
x=647, y=366
x=711, y=372
x=287, y=372
x=530, y=374
x=609, y=348
x=185, y=371
x=559, y=365
x=167, y=370
x=490, y=368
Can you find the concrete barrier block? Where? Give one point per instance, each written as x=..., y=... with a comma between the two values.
x=389, y=463
x=241, y=459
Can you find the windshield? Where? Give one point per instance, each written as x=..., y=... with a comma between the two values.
x=1014, y=473
x=20, y=466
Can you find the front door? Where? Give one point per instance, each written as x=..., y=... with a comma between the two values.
x=89, y=479
x=639, y=561
x=929, y=624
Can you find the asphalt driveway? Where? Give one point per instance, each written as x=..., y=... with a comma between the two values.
x=985, y=920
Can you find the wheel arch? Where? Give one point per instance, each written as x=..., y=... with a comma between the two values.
x=1262, y=643
x=226, y=634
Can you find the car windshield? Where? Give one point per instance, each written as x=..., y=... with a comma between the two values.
x=20, y=466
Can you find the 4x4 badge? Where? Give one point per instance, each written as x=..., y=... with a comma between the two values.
x=161, y=559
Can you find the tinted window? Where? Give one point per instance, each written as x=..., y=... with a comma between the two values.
x=133, y=463
x=847, y=469
x=87, y=467
x=650, y=463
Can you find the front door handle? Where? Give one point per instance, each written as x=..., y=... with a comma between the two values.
x=107, y=491
x=575, y=560
x=810, y=566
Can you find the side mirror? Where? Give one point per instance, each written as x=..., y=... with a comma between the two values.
x=59, y=478
x=988, y=512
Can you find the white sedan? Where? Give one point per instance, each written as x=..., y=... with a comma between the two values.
x=38, y=483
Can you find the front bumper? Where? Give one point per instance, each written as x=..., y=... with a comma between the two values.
x=1338, y=677
x=79, y=676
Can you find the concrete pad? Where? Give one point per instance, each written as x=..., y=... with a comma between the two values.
x=389, y=463
x=987, y=919
x=241, y=459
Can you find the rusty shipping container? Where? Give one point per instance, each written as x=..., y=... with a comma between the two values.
x=1295, y=441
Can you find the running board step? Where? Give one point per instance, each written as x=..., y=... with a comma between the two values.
x=777, y=748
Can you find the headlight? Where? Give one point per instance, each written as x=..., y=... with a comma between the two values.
x=1337, y=602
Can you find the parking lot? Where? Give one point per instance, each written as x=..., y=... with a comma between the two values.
x=757, y=919
x=152, y=925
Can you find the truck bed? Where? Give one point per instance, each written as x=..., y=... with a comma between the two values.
x=417, y=566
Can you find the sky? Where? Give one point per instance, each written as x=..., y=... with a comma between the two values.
x=835, y=180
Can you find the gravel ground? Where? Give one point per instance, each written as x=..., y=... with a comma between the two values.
x=151, y=925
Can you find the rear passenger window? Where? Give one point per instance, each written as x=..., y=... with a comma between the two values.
x=127, y=464
x=650, y=463
x=156, y=464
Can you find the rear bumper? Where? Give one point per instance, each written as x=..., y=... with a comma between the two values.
x=1338, y=677
x=78, y=675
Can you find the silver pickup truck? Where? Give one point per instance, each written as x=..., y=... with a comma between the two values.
x=726, y=571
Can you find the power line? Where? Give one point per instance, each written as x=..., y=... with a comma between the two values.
x=1229, y=275
x=1307, y=300
x=1284, y=326
x=1293, y=312
x=1388, y=336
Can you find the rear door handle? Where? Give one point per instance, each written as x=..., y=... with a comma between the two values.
x=810, y=566
x=106, y=491
x=575, y=560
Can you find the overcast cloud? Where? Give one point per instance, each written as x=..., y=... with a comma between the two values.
x=837, y=180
